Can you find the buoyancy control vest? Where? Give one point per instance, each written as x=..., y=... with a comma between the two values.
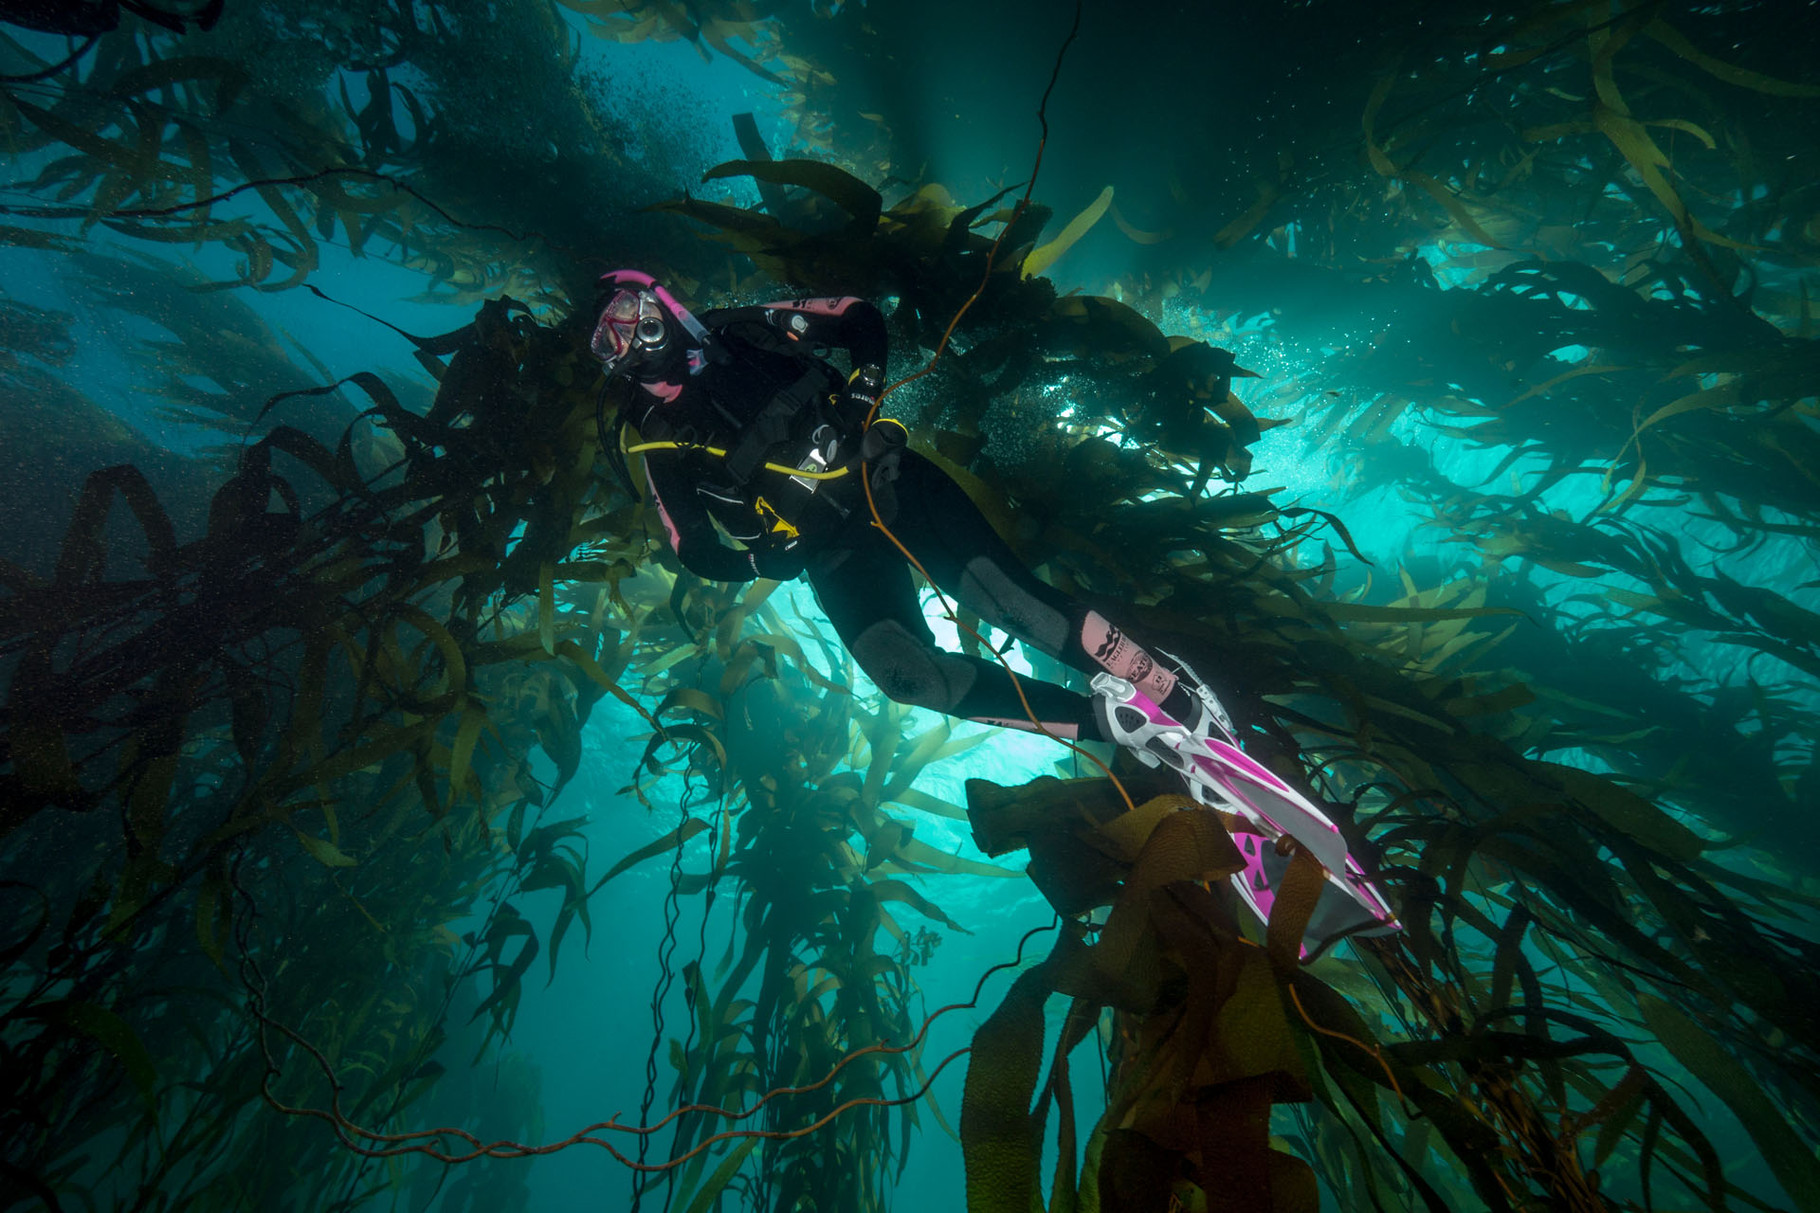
x=761, y=398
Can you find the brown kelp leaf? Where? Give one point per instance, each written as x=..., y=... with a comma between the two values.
x=1668, y=36
x=915, y=851
x=701, y=1199
x=546, y=607
x=228, y=76
x=224, y=230
x=837, y=185
x=107, y=1029
x=1128, y=832
x=1364, y=613
x=1071, y=873
x=1245, y=223
x=787, y=647
x=323, y=851
x=1129, y=1172
x=454, y=677
x=668, y=842
x=1101, y=325
x=1630, y=813
x=1043, y=256
x=1250, y=1036
x=1353, y=1065
x=461, y=754
x=1295, y=902
x=922, y=749
x=42, y=770
x=1083, y=1017
x=718, y=32
x=897, y=890
x=508, y=976
x=84, y=555
x=1135, y=234
x=1788, y=1156
x=690, y=699
x=569, y=650
x=22, y=237
x=1719, y=398
x=885, y=838
x=1634, y=143
x=102, y=149
x=935, y=806
x=883, y=735
x=378, y=744
x=1000, y=1144
x=1450, y=201
x=1385, y=166
x=1004, y=818
x=214, y=919
x=1191, y=846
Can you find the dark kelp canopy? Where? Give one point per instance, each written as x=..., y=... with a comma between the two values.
x=270, y=789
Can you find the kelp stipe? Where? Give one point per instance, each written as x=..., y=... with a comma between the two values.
x=1555, y=915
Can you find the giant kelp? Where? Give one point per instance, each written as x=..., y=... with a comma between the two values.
x=339, y=666
x=1487, y=778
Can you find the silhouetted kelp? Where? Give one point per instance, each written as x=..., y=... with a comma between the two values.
x=220, y=774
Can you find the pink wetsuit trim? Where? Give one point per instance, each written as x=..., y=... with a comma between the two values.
x=669, y=525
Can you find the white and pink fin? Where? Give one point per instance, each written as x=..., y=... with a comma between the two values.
x=1222, y=776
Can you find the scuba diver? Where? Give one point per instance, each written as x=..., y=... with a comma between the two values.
x=745, y=424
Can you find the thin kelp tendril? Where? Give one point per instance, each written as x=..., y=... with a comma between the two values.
x=428, y=1141
x=1377, y=1053
x=666, y=978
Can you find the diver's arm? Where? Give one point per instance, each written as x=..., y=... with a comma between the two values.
x=691, y=532
x=849, y=323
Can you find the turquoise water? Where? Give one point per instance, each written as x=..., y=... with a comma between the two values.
x=1183, y=118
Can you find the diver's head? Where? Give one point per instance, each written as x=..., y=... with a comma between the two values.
x=633, y=331
x=640, y=329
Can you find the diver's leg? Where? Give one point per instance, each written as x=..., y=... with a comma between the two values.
x=866, y=590
x=948, y=535
x=1183, y=727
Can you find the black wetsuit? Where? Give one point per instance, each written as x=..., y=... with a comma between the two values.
x=764, y=375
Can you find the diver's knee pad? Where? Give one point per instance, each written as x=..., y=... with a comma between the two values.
x=911, y=669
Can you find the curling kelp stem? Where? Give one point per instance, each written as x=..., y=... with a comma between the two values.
x=425, y=1141
x=941, y=347
x=1377, y=1054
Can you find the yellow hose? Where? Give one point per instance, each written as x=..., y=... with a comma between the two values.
x=718, y=453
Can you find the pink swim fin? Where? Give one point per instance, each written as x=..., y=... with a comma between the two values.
x=1222, y=776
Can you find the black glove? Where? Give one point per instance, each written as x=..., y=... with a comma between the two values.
x=777, y=564
x=882, y=448
x=882, y=445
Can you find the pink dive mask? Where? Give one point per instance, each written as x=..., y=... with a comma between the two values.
x=642, y=318
x=633, y=322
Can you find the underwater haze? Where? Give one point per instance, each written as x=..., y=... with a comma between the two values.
x=389, y=821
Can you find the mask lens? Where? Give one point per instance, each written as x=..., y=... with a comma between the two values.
x=613, y=335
